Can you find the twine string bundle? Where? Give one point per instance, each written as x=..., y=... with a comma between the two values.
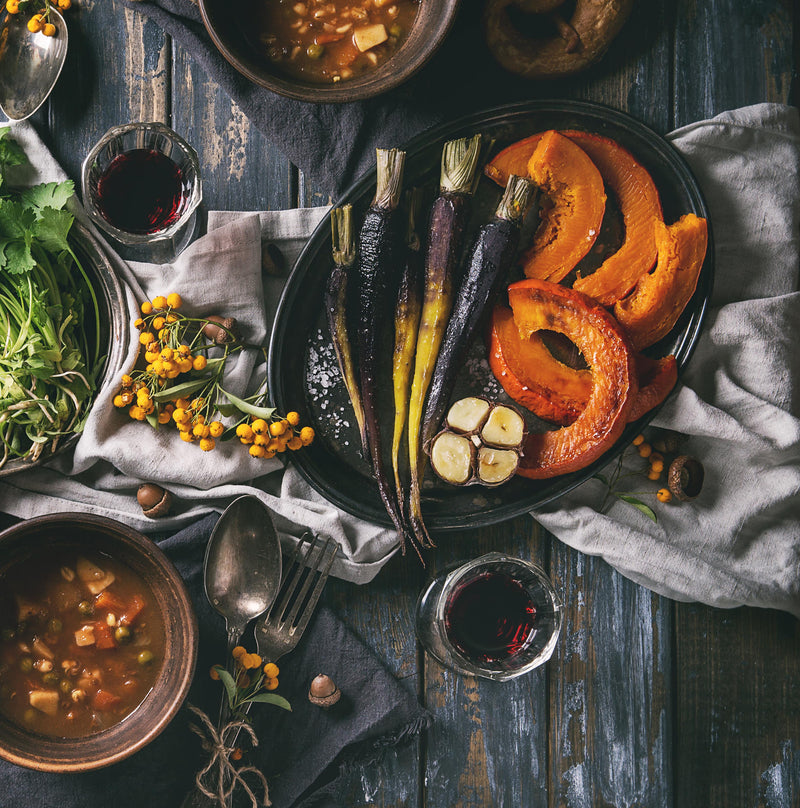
x=220, y=778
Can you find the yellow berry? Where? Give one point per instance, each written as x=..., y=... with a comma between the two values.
x=35, y=23
x=137, y=413
x=159, y=302
x=207, y=444
x=199, y=362
x=186, y=435
x=158, y=323
x=174, y=300
x=259, y=426
x=656, y=465
x=172, y=318
x=126, y=380
x=163, y=417
x=197, y=404
x=166, y=353
x=180, y=415
x=213, y=673
x=182, y=403
x=65, y=5
x=269, y=454
x=48, y=29
x=293, y=418
x=12, y=6
x=664, y=495
x=253, y=661
x=127, y=397
x=307, y=435
x=118, y=401
x=138, y=323
x=200, y=431
x=184, y=351
x=236, y=754
x=294, y=443
x=146, y=337
x=238, y=651
x=653, y=474
x=163, y=334
x=244, y=431
x=276, y=428
x=198, y=419
x=185, y=365
x=147, y=307
x=216, y=428
x=270, y=684
x=645, y=449
x=271, y=670
x=257, y=451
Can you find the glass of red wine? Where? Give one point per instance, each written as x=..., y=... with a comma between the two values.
x=496, y=616
x=141, y=185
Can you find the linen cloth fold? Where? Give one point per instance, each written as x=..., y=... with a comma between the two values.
x=303, y=753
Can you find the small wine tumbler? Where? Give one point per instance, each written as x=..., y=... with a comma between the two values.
x=496, y=616
x=141, y=186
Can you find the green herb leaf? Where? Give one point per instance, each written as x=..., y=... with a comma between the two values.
x=11, y=153
x=271, y=698
x=51, y=229
x=230, y=685
x=180, y=390
x=48, y=195
x=249, y=409
x=637, y=503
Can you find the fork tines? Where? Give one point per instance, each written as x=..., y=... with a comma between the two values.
x=309, y=566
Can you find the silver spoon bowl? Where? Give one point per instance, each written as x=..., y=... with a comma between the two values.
x=30, y=64
x=242, y=569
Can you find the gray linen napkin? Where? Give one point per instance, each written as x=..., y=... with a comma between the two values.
x=739, y=401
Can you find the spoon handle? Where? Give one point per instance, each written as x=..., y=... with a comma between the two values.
x=234, y=635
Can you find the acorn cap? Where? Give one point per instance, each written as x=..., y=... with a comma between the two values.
x=154, y=500
x=685, y=477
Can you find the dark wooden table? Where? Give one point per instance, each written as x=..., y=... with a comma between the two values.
x=647, y=702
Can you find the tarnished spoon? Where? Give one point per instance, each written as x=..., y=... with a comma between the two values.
x=242, y=568
x=30, y=64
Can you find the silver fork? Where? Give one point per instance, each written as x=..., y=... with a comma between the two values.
x=281, y=629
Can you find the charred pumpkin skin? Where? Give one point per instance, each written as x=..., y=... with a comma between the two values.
x=539, y=305
x=659, y=298
x=638, y=200
x=656, y=379
x=532, y=376
x=570, y=225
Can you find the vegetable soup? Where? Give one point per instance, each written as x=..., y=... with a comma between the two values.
x=81, y=642
x=326, y=41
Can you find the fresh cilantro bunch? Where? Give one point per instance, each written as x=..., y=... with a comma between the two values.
x=49, y=317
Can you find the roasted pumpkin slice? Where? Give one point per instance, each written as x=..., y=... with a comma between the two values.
x=513, y=159
x=571, y=220
x=659, y=298
x=542, y=305
x=640, y=206
x=656, y=379
x=532, y=376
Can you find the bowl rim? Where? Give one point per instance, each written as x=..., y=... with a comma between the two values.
x=180, y=687
x=346, y=91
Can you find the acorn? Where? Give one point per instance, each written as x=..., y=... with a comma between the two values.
x=154, y=500
x=685, y=477
x=220, y=329
x=323, y=691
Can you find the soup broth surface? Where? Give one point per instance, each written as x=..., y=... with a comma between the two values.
x=81, y=642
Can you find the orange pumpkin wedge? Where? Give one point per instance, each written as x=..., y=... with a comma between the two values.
x=571, y=222
x=659, y=298
x=542, y=305
x=636, y=195
x=640, y=206
x=532, y=376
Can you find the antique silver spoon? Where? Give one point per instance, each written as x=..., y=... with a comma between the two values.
x=30, y=64
x=242, y=568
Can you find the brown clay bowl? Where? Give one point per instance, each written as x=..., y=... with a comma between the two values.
x=431, y=26
x=143, y=557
